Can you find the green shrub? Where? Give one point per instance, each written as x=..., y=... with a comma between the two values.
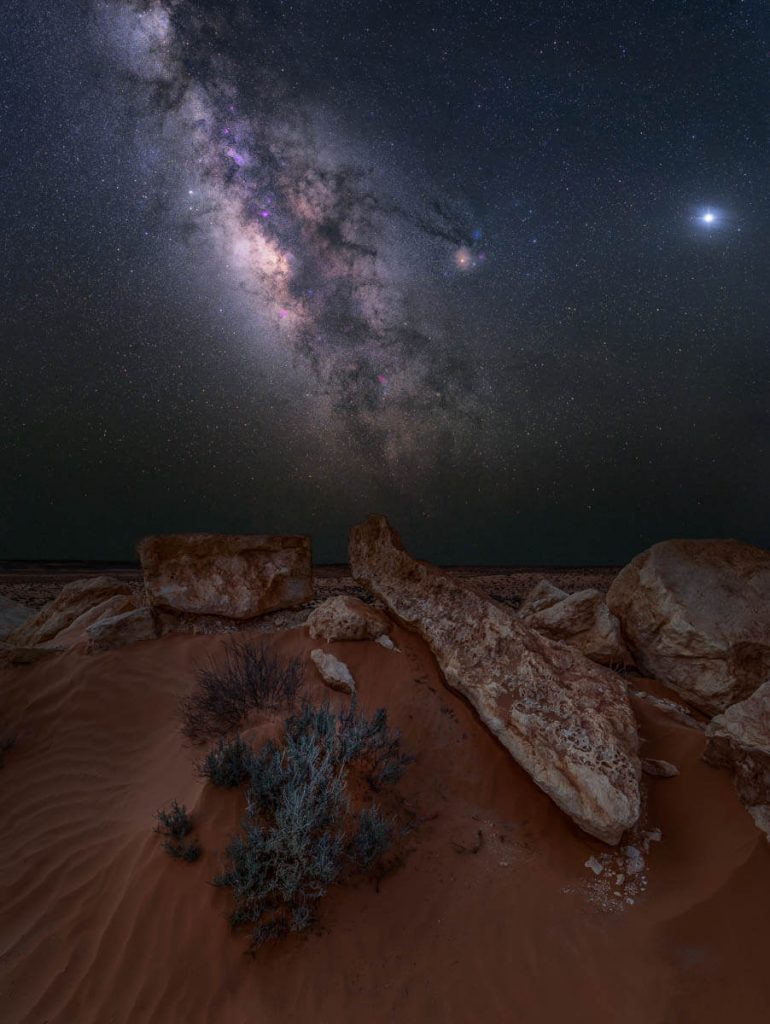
x=300, y=835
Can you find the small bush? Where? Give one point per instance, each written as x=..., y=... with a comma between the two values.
x=228, y=764
x=299, y=834
x=176, y=825
x=251, y=677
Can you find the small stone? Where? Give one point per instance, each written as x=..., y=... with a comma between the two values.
x=594, y=865
x=335, y=673
x=661, y=769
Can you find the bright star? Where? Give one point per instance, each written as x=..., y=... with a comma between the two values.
x=708, y=217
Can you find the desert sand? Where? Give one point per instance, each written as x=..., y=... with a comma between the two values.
x=490, y=913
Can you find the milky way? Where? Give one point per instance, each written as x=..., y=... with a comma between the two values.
x=322, y=245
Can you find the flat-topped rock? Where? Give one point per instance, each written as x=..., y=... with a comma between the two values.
x=695, y=614
x=238, y=577
x=567, y=721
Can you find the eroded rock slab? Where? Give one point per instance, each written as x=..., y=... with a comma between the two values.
x=73, y=601
x=739, y=740
x=346, y=618
x=566, y=720
x=695, y=614
x=238, y=577
x=582, y=619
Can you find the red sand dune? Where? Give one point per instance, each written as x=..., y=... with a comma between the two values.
x=99, y=925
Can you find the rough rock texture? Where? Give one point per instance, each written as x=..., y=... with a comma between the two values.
x=669, y=707
x=346, y=618
x=119, y=630
x=541, y=596
x=335, y=673
x=238, y=577
x=581, y=619
x=12, y=616
x=662, y=769
x=567, y=721
x=739, y=740
x=72, y=601
x=118, y=604
x=695, y=614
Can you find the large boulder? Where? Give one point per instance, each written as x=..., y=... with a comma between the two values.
x=238, y=577
x=695, y=614
x=72, y=601
x=739, y=740
x=12, y=616
x=582, y=619
x=346, y=618
x=566, y=720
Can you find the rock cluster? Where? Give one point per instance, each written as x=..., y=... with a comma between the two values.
x=582, y=619
x=566, y=720
x=695, y=615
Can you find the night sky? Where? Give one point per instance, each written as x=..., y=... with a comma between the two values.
x=496, y=269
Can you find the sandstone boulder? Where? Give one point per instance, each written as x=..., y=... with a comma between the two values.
x=346, y=618
x=12, y=616
x=695, y=615
x=238, y=577
x=581, y=619
x=739, y=740
x=335, y=673
x=71, y=602
x=566, y=720
x=128, y=628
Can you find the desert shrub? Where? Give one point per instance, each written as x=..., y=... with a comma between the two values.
x=227, y=764
x=250, y=677
x=176, y=825
x=300, y=835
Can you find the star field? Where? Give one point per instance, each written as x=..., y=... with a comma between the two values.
x=497, y=270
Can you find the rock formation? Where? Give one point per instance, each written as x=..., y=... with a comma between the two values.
x=346, y=618
x=119, y=630
x=739, y=740
x=335, y=673
x=582, y=619
x=238, y=577
x=695, y=614
x=71, y=603
x=567, y=721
